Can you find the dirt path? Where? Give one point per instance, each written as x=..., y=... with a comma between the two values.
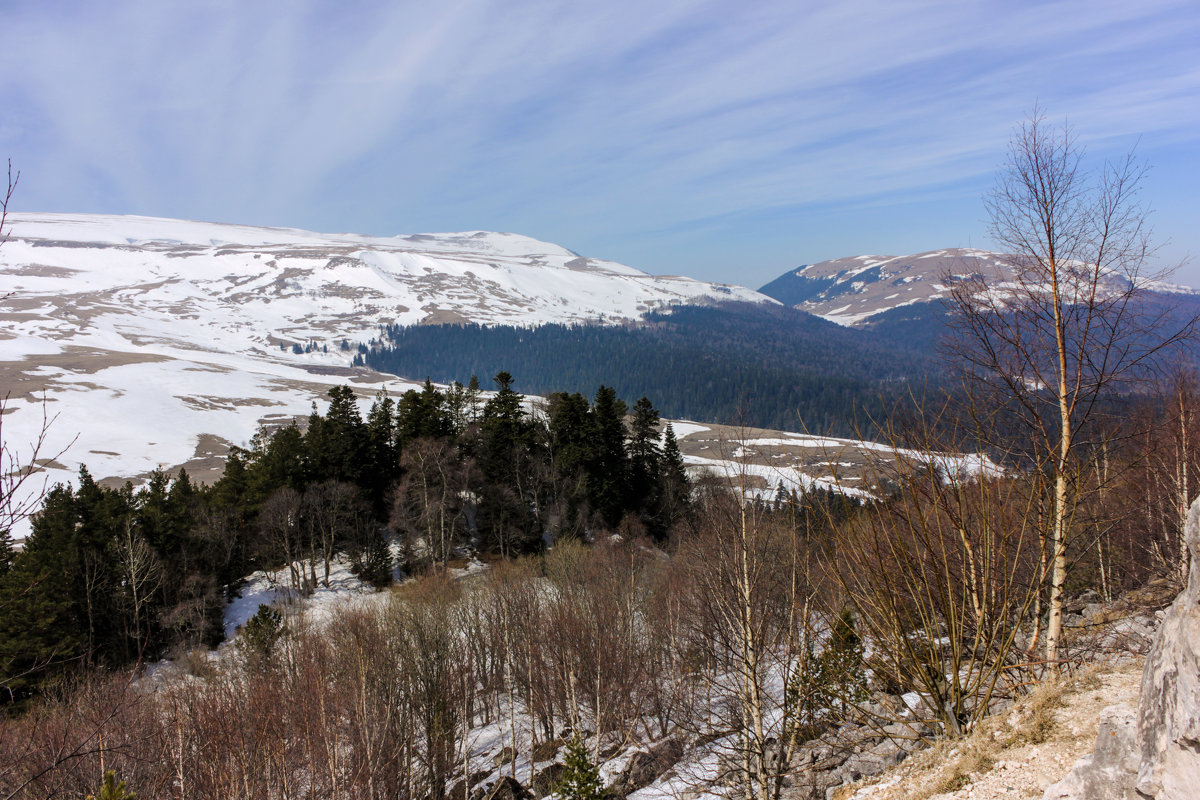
x=1019, y=753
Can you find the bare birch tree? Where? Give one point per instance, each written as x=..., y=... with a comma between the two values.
x=1065, y=328
x=20, y=491
x=141, y=575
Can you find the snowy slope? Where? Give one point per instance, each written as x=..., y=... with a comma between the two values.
x=157, y=342
x=299, y=284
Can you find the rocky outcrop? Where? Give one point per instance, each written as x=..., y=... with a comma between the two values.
x=1169, y=709
x=547, y=779
x=1157, y=754
x=508, y=789
x=1110, y=772
x=645, y=766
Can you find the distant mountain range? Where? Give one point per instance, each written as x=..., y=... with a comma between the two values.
x=155, y=343
x=858, y=289
x=861, y=290
x=905, y=298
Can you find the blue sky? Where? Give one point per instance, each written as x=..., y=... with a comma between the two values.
x=724, y=140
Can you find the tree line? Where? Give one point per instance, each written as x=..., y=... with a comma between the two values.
x=771, y=367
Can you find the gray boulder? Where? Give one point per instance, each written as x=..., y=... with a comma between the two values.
x=1161, y=758
x=863, y=764
x=1110, y=772
x=1169, y=709
x=646, y=765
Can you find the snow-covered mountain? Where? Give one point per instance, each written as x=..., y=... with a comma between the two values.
x=155, y=342
x=850, y=291
x=857, y=290
x=303, y=285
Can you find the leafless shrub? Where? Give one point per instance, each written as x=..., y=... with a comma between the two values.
x=944, y=573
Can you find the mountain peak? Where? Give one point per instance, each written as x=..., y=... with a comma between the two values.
x=858, y=289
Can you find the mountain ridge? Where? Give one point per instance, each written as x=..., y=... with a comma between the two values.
x=858, y=291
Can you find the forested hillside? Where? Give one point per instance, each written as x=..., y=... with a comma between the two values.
x=767, y=366
x=113, y=576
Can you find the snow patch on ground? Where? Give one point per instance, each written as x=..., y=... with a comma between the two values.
x=273, y=589
x=683, y=428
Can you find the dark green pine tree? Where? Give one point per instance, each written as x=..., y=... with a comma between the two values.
x=458, y=408
x=111, y=789
x=422, y=415
x=276, y=461
x=183, y=505
x=100, y=513
x=580, y=776
x=571, y=435
x=40, y=630
x=6, y=551
x=377, y=561
x=782, y=497
x=676, y=492
x=506, y=453
x=504, y=433
x=473, y=393
x=229, y=492
x=645, y=467
x=608, y=466
x=335, y=445
x=382, y=451
x=154, y=515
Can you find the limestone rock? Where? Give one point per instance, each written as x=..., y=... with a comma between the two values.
x=1169, y=709
x=865, y=763
x=1108, y=773
x=1160, y=758
x=646, y=765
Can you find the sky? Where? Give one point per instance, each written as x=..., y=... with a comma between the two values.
x=728, y=141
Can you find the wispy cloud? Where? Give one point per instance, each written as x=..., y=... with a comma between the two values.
x=601, y=125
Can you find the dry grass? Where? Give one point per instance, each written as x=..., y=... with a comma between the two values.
x=1054, y=722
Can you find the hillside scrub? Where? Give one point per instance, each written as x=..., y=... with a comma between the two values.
x=736, y=640
x=111, y=577
x=758, y=632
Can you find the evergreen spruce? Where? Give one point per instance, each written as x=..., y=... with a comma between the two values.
x=580, y=777
x=260, y=634
x=646, y=468
x=676, y=492
x=571, y=434
x=377, y=562
x=832, y=680
x=473, y=393
x=335, y=445
x=382, y=450
x=6, y=551
x=608, y=465
x=111, y=790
